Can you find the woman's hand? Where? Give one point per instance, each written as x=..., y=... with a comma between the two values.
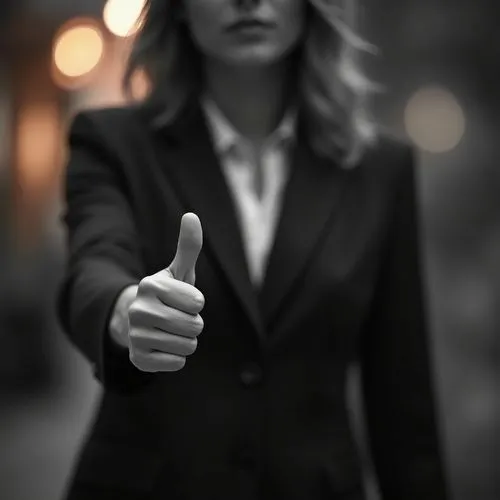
x=164, y=318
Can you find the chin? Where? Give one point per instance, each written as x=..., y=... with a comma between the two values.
x=252, y=57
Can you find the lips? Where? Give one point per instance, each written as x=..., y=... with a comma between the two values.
x=249, y=24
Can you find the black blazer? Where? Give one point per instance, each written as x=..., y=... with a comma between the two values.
x=259, y=410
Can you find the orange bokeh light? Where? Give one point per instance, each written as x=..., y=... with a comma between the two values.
x=77, y=51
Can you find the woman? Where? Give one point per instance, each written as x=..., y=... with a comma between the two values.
x=308, y=263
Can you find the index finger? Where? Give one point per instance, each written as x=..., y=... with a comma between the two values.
x=178, y=294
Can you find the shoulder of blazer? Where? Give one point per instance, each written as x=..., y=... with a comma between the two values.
x=115, y=134
x=112, y=123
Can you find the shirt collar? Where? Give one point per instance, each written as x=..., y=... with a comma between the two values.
x=226, y=137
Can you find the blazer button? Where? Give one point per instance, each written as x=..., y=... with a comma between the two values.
x=251, y=374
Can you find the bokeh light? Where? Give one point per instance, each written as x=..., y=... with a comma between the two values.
x=140, y=85
x=434, y=119
x=38, y=143
x=78, y=49
x=122, y=16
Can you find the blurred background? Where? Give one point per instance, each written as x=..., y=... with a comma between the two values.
x=438, y=61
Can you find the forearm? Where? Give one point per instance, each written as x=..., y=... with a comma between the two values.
x=87, y=303
x=104, y=256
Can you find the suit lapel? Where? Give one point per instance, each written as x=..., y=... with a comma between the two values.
x=313, y=193
x=195, y=171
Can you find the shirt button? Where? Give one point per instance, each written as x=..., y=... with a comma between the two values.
x=251, y=374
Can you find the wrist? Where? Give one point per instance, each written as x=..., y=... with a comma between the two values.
x=119, y=324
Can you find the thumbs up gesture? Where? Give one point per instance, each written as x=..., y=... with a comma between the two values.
x=164, y=318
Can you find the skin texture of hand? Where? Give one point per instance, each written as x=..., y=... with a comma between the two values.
x=164, y=317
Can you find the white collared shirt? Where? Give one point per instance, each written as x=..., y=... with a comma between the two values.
x=258, y=217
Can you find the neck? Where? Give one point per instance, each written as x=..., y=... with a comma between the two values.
x=254, y=100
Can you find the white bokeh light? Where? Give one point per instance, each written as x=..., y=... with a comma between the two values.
x=122, y=16
x=434, y=119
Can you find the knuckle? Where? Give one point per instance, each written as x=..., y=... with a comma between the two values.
x=159, y=284
x=142, y=313
x=134, y=336
x=135, y=312
x=147, y=283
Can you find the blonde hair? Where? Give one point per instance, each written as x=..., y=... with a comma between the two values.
x=332, y=91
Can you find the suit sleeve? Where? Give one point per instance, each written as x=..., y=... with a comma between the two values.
x=396, y=361
x=103, y=255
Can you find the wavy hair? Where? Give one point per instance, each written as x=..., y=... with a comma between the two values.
x=332, y=91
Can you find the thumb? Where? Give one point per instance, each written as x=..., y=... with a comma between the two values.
x=188, y=248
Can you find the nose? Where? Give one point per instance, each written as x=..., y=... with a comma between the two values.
x=247, y=4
